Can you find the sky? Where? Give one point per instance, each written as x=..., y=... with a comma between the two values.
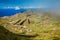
x=17, y=4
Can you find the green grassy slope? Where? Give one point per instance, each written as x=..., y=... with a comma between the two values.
x=41, y=27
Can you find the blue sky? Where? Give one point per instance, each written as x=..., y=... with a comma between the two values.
x=30, y=3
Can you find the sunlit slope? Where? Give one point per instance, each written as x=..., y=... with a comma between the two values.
x=32, y=24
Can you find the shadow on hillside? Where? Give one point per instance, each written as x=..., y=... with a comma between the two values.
x=6, y=35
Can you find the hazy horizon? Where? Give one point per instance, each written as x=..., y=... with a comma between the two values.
x=48, y=5
x=17, y=4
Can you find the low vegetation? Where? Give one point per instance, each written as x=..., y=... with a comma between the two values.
x=30, y=25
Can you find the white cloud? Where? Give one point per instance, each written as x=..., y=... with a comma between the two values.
x=25, y=7
x=34, y=7
x=8, y=7
x=17, y=8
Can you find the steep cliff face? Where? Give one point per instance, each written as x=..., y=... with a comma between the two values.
x=33, y=24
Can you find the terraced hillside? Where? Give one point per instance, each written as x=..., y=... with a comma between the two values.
x=30, y=25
